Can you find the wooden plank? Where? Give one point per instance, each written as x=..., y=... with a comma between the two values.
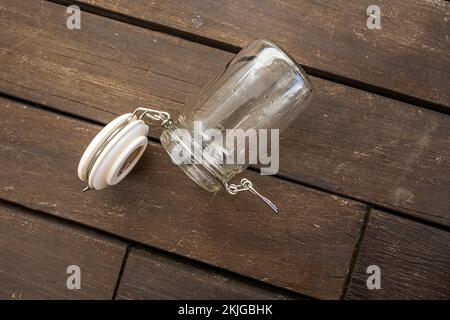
x=306, y=248
x=349, y=141
x=414, y=260
x=410, y=54
x=352, y=142
x=36, y=252
x=148, y=275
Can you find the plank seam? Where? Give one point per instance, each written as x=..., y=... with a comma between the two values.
x=122, y=268
x=346, y=81
x=356, y=251
x=43, y=107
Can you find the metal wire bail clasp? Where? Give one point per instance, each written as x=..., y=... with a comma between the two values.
x=153, y=114
x=246, y=185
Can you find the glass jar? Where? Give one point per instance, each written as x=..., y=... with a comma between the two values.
x=260, y=88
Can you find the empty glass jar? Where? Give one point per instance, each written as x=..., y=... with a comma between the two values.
x=261, y=88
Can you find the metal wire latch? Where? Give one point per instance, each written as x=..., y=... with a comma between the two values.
x=246, y=185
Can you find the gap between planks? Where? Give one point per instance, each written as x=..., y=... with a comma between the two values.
x=122, y=268
x=355, y=255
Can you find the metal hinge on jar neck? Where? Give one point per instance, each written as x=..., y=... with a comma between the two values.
x=246, y=185
x=153, y=114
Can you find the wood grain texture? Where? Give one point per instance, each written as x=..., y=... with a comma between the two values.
x=154, y=276
x=349, y=141
x=35, y=253
x=414, y=260
x=410, y=54
x=306, y=248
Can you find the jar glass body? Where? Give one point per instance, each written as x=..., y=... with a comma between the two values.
x=260, y=88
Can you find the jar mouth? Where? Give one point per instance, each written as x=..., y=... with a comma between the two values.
x=199, y=171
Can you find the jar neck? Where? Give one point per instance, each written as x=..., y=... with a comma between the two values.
x=177, y=140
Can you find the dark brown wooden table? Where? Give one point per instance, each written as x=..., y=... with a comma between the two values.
x=364, y=176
